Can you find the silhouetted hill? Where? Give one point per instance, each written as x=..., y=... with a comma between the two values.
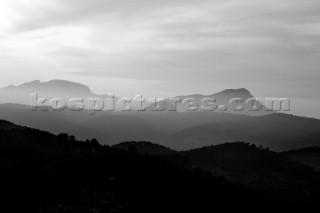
x=309, y=156
x=42, y=172
x=145, y=148
x=7, y=125
x=257, y=168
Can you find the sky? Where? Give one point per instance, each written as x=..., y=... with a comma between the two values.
x=163, y=48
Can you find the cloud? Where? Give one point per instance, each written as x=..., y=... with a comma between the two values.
x=267, y=45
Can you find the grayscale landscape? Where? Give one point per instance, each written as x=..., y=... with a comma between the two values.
x=159, y=106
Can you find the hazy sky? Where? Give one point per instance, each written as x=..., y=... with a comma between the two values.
x=165, y=47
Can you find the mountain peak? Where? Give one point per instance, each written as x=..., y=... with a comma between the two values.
x=27, y=84
x=34, y=82
x=241, y=93
x=240, y=90
x=55, y=86
x=67, y=84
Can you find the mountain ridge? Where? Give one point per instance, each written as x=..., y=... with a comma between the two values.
x=180, y=131
x=66, y=90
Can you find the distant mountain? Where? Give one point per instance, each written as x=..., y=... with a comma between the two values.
x=52, y=89
x=179, y=131
x=277, y=131
x=222, y=103
x=66, y=90
x=309, y=156
x=107, y=127
x=223, y=96
x=52, y=121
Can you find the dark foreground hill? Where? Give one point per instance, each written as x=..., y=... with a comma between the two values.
x=145, y=148
x=41, y=172
x=257, y=168
x=278, y=175
x=309, y=156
